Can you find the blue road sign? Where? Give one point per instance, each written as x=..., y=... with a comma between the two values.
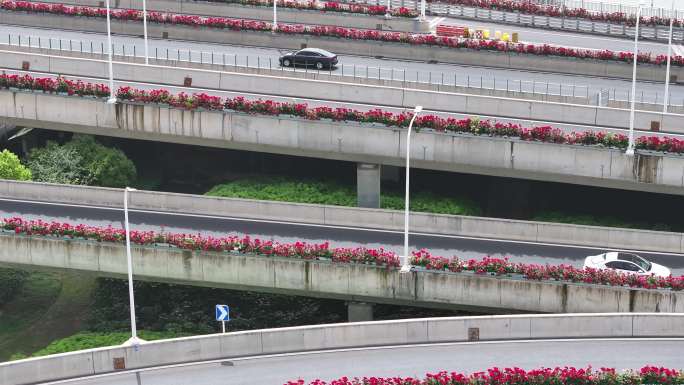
x=222, y=313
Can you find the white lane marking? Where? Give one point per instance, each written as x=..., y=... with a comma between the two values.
x=449, y=236
x=434, y=22
x=370, y=348
x=678, y=50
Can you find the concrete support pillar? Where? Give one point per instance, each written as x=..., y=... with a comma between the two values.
x=359, y=311
x=390, y=173
x=368, y=185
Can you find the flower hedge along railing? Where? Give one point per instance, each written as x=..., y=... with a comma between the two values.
x=652, y=375
x=53, y=85
x=545, y=134
x=328, y=6
x=472, y=126
x=532, y=8
x=323, y=251
x=242, y=245
x=566, y=273
x=342, y=32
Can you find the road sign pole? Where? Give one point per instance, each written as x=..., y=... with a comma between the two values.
x=222, y=315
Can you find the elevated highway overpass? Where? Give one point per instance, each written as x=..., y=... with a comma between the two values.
x=366, y=144
x=556, y=64
x=387, y=348
x=331, y=91
x=473, y=20
x=357, y=283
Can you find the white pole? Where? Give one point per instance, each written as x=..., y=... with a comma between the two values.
x=112, y=98
x=388, y=11
x=223, y=326
x=406, y=265
x=630, y=146
x=422, y=10
x=131, y=298
x=666, y=101
x=275, y=16
x=145, y=32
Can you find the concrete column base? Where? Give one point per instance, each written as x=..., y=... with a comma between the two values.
x=359, y=311
x=368, y=185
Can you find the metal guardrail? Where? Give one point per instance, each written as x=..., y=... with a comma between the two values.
x=604, y=7
x=560, y=23
x=356, y=72
x=352, y=72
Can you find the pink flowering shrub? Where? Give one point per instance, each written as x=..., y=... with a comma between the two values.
x=232, y=243
x=195, y=101
x=355, y=255
x=565, y=273
x=652, y=375
x=342, y=32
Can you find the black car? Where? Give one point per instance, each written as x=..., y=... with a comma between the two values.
x=316, y=57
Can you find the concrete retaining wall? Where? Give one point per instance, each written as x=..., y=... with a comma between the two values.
x=353, y=93
x=347, y=46
x=349, y=216
x=366, y=143
x=285, y=15
x=339, y=336
x=352, y=282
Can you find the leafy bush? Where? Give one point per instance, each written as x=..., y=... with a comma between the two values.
x=11, y=282
x=107, y=166
x=82, y=161
x=88, y=340
x=11, y=168
x=331, y=193
x=57, y=164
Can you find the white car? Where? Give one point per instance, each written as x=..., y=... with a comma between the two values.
x=626, y=263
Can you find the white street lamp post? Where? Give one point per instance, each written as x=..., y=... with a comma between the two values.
x=388, y=11
x=630, y=145
x=422, y=10
x=147, y=51
x=406, y=265
x=275, y=16
x=666, y=100
x=134, y=340
x=112, y=98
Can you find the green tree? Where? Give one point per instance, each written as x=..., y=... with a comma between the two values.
x=82, y=161
x=106, y=166
x=58, y=164
x=11, y=167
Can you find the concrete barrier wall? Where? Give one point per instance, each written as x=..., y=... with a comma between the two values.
x=351, y=282
x=285, y=15
x=353, y=93
x=366, y=143
x=349, y=216
x=347, y=46
x=339, y=336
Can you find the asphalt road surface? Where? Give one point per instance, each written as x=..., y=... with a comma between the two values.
x=448, y=246
x=473, y=76
x=408, y=361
